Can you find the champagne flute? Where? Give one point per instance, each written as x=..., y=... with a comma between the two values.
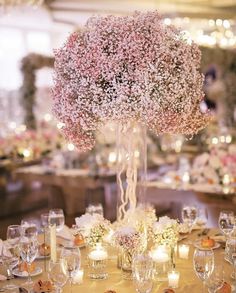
x=57, y=274
x=28, y=253
x=226, y=222
x=71, y=259
x=143, y=269
x=203, y=262
x=56, y=217
x=12, y=260
x=189, y=215
x=216, y=280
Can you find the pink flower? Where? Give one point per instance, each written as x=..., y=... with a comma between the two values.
x=127, y=68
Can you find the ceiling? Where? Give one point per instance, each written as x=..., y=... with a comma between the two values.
x=77, y=11
x=65, y=15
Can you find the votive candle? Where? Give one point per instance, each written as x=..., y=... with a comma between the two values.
x=78, y=277
x=173, y=279
x=183, y=251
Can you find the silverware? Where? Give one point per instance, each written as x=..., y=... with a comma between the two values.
x=9, y=275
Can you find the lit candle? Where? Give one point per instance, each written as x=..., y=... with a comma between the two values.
x=53, y=243
x=183, y=251
x=159, y=255
x=226, y=179
x=173, y=279
x=78, y=277
x=98, y=254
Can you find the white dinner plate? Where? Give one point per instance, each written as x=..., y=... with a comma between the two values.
x=20, y=274
x=198, y=245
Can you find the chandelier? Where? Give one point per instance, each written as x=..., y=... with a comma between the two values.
x=6, y=5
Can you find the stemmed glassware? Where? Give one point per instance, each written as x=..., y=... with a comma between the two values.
x=203, y=262
x=226, y=222
x=231, y=249
x=143, y=269
x=216, y=280
x=12, y=260
x=28, y=250
x=71, y=260
x=57, y=274
x=56, y=217
x=189, y=215
x=29, y=228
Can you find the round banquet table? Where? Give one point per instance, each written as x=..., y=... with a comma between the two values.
x=188, y=279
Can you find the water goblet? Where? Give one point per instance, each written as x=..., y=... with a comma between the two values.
x=189, y=215
x=44, y=220
x=57, y=274
x=56, y=217
x=202, y=217
x=203, y=262
x=216, y=279
x=143, y=270
x=28, y=253
x=95, y=209
x=29, y=228
x=71, y=260
x=226, y=222
x=12, y=259
x=231, y=249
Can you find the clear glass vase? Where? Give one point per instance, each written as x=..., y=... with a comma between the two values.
x=131, y=144
x=126, y=263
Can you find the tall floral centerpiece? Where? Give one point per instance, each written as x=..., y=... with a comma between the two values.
x=133, y=70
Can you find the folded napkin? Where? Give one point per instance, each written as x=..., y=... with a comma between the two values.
x=4, y=249
x=65, y=234
x=219, y=238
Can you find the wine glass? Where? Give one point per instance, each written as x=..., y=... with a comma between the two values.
x=56, y=217
x=202, y=216
x=12, y=258
x=28, y=252
x=189, y=215
x=143, y=268
x=226, y=222
x=71, y=259
x=95, y=209
x=29, y=228
x=203, y=262
x=44, y=220
x=231, y=249
x=57, y=274
x=216, y=280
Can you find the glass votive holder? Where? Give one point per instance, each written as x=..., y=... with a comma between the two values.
x=183, y=251
x=173, y=279
x=78, y=277
x=161, y=257
x=97, y=261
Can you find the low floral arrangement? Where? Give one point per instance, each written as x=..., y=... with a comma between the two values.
x=166, y=231
x=30, y=144
x=93, y=228
x=212, y=167
x=128, y=238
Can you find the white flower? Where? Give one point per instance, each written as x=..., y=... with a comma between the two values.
x=215, y=162
x=87, y=221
